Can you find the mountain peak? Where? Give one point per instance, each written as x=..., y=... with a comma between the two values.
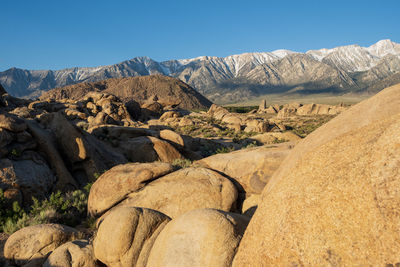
x=384, y=47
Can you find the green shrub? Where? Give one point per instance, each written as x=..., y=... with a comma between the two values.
x=69, y=209
x=181, y=163
x=224, y=150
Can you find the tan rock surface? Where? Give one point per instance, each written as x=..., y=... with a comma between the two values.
x=335, y=199
x=115, y=184
x=251, y=168
x=12, y=123
x=204, y=237
x=185, y=190
x=126, y=236
x=173, y=137
x=34, y=243
x=77, y=253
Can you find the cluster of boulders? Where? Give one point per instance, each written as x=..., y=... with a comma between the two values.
x=47, y=145
x=142, y=206
x=293, y=109
x=332, y=199
x=243, y=122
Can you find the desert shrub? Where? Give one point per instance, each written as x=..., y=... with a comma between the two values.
x=279, y=140
x=224, y=149
x=252, y=144
x=68, y=208
x=181, y=163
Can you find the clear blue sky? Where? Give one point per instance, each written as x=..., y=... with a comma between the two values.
x=56, y=34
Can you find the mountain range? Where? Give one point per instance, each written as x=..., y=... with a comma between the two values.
x=241, y=77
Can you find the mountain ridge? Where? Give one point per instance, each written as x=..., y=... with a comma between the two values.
x=213, y=76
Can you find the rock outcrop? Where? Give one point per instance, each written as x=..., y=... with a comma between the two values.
x=333, y=200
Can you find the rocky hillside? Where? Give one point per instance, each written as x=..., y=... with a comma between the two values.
x=238, y=77
x=169, y=91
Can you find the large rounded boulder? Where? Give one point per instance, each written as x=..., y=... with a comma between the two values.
x=335, y=200
x=185, y=190
x=126, y=235
x=115, y=184
x=250, y=168
x=34, y=243
x=75, y=253
x=204, y=237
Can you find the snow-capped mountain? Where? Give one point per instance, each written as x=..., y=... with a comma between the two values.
x=233, y=77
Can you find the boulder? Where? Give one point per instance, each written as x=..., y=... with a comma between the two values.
x=232, y=119
x=257, y=126
x=126, y=235
x=170, y=114
x=151, y=109
x=75, y=253
x=204, y=237
x=149, y=149
x=184, y=190
x=115, y=184
x=271, y=110
x=319, y=109
x=276, y=137
x=32, y=244
x=250, y=168
x=217, y=112
x=334, y=200
x=12, y=123
x=286, y=112
x=172, y=137
x=33, y=178
x=45, y=141
x=262, y=106
x=185, y=121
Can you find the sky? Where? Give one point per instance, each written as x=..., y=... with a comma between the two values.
x=61, y=34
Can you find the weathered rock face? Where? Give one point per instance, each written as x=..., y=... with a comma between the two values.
x=12, y=123
x=32, y=245
x=276, y=137
x=115, y=184
x=217, y=112
x=149, y=149
x=126, y=236
x=293, y=109
x=251, y=168
x=334, y=196
x=204, y=237
x=185, y=190
x=72, y=254
x=30, y=177
x=319, y=109
x=85, y=154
